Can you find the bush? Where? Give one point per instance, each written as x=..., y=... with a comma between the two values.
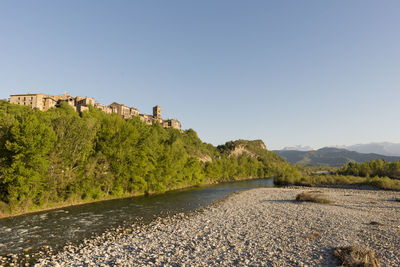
x=356, y=256
x=313, y=196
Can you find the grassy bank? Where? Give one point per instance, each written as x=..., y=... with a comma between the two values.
x=327, y=179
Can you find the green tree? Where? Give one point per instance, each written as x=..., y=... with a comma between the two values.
x=24, y=176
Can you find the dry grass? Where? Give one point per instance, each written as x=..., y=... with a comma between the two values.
x=313, y=196
x=4, y=209
x=356, y=257
x=312, y=236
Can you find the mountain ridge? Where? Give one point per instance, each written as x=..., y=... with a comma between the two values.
x=381, y=148
x=329, y=156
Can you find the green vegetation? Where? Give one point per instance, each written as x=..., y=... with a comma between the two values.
x=60, y=157
x=373, y=173
x=371, y=168
x=315, y=179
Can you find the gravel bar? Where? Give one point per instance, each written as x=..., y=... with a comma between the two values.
x=258, y=227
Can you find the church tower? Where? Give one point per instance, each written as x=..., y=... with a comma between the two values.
x=157, y=112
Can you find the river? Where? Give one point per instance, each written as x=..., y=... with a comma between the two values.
x=55, y=228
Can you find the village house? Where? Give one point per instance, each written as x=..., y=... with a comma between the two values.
x=30, y=100
x=70, y=100
x=148, y=119
x=42, y=102
x=171, y=123
x=49, y=102
x=83, y=103
x=105, y=109
x=124, y=111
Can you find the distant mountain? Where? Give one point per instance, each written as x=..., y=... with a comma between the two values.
x=329, y=156
x=384, y=148
x=298, y=148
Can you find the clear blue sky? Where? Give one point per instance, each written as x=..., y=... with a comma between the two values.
x=313, y=73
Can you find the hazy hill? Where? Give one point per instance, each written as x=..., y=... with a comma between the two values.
x=334, y=157
x=298, y=148
x=383, y=148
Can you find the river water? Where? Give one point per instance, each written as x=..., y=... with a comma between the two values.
x=55, y=228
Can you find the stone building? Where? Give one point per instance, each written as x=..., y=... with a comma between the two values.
x=134, y=112
x=49, y=102
x=148, y=119
x=171, y=123
x=30, y=100
x=83, y=103
x=103, y=108
x=70, y=100
x=114, y=107
x=62, y=97
x=45, y=102
x=42, y=102
x=156, y=117
x=123, y=111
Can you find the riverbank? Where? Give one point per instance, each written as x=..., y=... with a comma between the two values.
x=73, y=203
x=255, y=227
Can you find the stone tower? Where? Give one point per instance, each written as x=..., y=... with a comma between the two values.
x=157, y=112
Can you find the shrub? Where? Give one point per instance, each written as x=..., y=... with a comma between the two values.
x=356, y=256
x=313, y=196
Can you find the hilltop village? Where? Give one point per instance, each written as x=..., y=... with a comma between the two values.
x=44, y=102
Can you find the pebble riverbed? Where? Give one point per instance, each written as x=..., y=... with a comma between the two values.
x=258, y=227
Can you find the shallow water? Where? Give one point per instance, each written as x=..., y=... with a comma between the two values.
x=55, y=228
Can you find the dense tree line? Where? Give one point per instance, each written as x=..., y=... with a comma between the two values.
x=61, y=156
x=372, y=168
